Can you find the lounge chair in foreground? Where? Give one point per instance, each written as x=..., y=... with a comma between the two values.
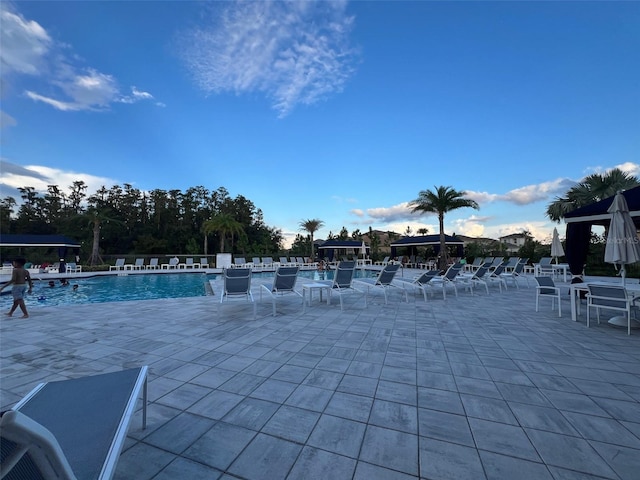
x=342, y=282
x=284, y=283
x=422, y=282
x=237, y=284
x=383, y=281
x=71, y=429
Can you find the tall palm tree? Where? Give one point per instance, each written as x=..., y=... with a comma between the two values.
x=225, y=225
x=311, y=226
x=591, y=189
x=441, y=201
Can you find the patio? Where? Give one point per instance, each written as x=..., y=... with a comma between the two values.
x=471, y=387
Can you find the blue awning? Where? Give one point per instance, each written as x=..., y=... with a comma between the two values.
x=26, y=240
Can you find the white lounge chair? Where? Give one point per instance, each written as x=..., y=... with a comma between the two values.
x=284, y=283
x=72, y=429
x=138, y=265
x=204, y=263
x=173, y=264
x=237, y=284
x=153, y=264
x=422, y=282
x=119, y=265
x=342, y=281
x=383, y=281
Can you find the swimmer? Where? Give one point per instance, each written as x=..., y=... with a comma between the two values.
x=52, y=284
x=75, y=287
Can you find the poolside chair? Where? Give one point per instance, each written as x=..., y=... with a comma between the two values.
x=448, y=279
x=544, y=267
x=609, y=297
x=237, y=284
x=421, y=282
x=515, y=274
x=173, y=264
x=479, y=277
x=138, y=265
x=256, y=263
x=342, y=282
x=189, y=263
x=495, y=277
x=497, y=261
x=153, y=264
x=71, y=429
x=284, y=282
x=511, y=264
x=118, y=266
x=267, y=262
x=547, y=288
x=71, y=267
x=204, y=263
x=384, y=261
x=239, y=262
x=472, y=267
x=383, y=281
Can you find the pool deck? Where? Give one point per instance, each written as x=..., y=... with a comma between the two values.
x=473, y=387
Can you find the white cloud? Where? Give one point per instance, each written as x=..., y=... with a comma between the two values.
x=525, y=195
x=39, y=177
x=24, y=43
x=27, y=49
x=295, y=53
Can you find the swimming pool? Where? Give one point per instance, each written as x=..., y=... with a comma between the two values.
x=120, y=288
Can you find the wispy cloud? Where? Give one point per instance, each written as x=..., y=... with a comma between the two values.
x=28, y=49
x=526, y=194
x=39, y=177
x=295, y=53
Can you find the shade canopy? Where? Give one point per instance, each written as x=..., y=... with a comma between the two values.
x=331, y=247
x=428, y=240
x=580, y=220
x=27, y=240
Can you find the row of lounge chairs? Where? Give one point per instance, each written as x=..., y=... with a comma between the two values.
x=268, y=263
x=154, y=264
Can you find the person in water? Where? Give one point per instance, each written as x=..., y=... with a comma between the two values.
x=21, y=280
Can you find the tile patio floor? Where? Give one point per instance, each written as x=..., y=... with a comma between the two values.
x=472, y=387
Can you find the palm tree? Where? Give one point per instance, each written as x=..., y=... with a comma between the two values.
x=311, y=226
x=225, y=225
x=591, y=189
x=441, y=201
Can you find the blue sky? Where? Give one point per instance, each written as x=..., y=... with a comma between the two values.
x=342, y=111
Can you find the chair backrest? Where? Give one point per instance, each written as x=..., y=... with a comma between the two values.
x=29, y=450
x=237, y=281
x=477, y=262
x=518, y=268
x=267, y=260
x=546, y=286
x=239, y=261
x=488, y=261
x=139, y=262
x=344, y=274
x=452, y=272
x=120, y=262
x=285, y=279
x=498, y=270
x=481, y=272
x=189, y=261
x=283, y=260
x=204, y=261
x=385, y=277
x=545, y=261
x=153, y=262
x=386, y=259
x=173, y=261
x=497, y=261
x=300, y=260
x=426, y=277
x=256, y=261
x=608, y=296
x=512, y=262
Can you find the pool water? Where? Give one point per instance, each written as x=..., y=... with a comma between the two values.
x=121, y=288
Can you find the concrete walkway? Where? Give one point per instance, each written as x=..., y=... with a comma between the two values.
x=472, y=387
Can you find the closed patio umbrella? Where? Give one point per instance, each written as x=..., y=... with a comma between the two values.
x=556, y=245
x=623, y=246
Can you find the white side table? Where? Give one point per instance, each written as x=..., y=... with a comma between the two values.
x=309, y=287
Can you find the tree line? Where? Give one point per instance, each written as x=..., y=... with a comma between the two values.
x=126, y=220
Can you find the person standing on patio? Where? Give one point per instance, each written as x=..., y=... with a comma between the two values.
x=19, y=279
